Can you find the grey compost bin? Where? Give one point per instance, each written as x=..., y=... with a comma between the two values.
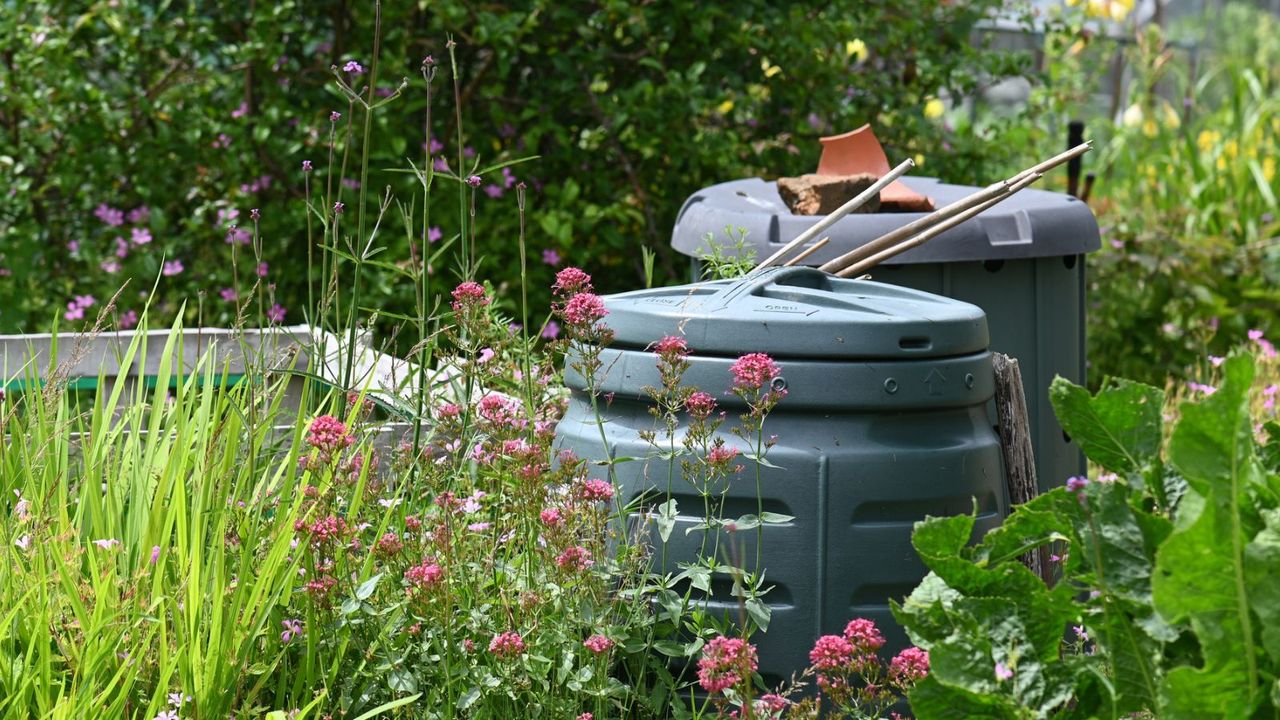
x=884, y=422
x=1022, y=262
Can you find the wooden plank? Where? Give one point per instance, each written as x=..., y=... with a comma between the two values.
x=1014, y=429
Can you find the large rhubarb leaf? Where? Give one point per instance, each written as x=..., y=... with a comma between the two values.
x=1201, y=573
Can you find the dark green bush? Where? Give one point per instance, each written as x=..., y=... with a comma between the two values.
x=184, y=108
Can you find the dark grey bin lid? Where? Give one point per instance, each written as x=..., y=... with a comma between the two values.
x=1033, y=223
x=797, y=312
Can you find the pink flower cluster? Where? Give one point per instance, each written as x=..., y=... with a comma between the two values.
x=595, y=490
x=831, y=652
x=909, y=667
x=863, y=635
x=507, y=644
x=598, y=644
x=700, y=405
x=328, y=435
x=424, y=576
x=584, y=309
x=753, y=371
x=671, y=348
x=469, y=295
x=571, y=280
x=574, y=559
x=725, y=663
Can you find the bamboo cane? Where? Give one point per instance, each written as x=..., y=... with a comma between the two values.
x=807, y=252
x=866, y=264
x=988, y=193
x=839, y=212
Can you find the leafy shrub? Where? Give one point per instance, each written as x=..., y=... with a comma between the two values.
x=196, y=114
x=1166, y=559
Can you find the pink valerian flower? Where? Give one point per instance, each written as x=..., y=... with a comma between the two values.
x=831, y=652
x=292, y=629
x=424, y=576
x=353, y=67
x=389, y=544
x=497, y=409
x=575, y=559
x=584, y=309
x=330, y=530
x=320, y=588
x=595, y=491
x=863, y=635
x=770, y=705
x=909, y=667
x=570, y=281
x=551, y=517
x=700, y=405
x=171, y=267
x=469, y=295
x=725, y=663
x=109, y=215
x=507, y=644
x=140, y=236
x=671, y=348
x=550, y=257
x=753, y=371
x=329, y=435
x=721, y=456
x=276, y=313
x=598, y=644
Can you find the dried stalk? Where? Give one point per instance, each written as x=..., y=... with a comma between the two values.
x=807, y=252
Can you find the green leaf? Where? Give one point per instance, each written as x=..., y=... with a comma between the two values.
x=1120, y=428
x=666, y=519
x=469, y=698
x=367, y=587
x=760, y=612
x=770, y=518
x=1201, y=568
x=392, y=705
x=1262, y=577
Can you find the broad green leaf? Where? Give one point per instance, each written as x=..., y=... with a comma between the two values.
x=1119, y=428
x=666, y=519
x=367, y=587
x=931, y=700
x=1201, y=568
x=1262, y=575
x=759, y=612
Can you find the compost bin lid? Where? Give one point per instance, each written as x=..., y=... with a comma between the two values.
x=798, y=312
x=1032, y=223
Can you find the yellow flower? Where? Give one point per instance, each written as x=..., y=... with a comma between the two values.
x=919, y=158
x=856, y=49
x=1207, y=140
x=724, y=107
x=934, y=108
x=1115, y=10
x=1269, y=168
x=1230, y=148
x=769, y=68
x=1150, y=128
x=1169, y=116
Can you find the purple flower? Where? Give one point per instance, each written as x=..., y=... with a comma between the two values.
x=240, y=111
x=508, y=178
x=353, y=67
x=23, y=542
x=262, y=269
x=155, y=554
x=507, y=130
x=178, y=699
x=129, y=320
x=428, y=61
x=109, y=215
x=551, y=331
x=1003, y=673
x=335, y=116
x=111, y=267
x=107, y=543
x=167, y=715
x=276, y=313
x=292, y=629
x=468, y=151
x=551, y=257
x=338, y=207
x=140, y=236
x=228, y=294
x=238, y=236
x=474, y=181
x=1206, y=390
x=171, y=267
x=306, y=166
x=73, y=246
x=74, y=312
x=434, y=234
x=140, y=215
x=1076, y=484
x=255, y=214
x=440, y=165
x=1080, y=632
x=85, y=301
x=493, y=191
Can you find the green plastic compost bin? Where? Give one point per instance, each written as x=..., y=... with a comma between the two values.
x=1021, y=261
x=884, y=422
